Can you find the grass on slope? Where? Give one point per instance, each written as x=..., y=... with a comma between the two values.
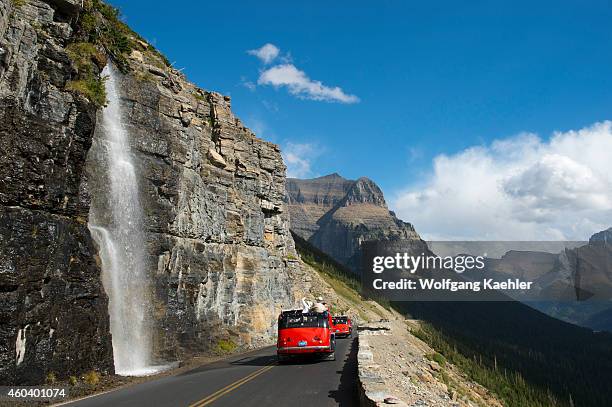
x=100, y=33
x=343, y=281
x=507, y=384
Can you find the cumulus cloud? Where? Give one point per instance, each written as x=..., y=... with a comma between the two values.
x=285, y=74
x=266, y=53
x=520, y=188
x=299, y=84
x=298, y=158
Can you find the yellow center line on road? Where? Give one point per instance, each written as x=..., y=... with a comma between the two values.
x=230, y=387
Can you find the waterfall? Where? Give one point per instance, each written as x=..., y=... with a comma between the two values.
x=116, y=225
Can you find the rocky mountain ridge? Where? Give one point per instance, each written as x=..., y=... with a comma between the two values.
x=335, y=215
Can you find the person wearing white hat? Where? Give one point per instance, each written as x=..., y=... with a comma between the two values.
x=320, y=305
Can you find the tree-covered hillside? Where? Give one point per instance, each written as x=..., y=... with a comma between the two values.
x=524, y=356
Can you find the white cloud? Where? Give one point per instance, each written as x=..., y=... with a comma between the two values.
x=520, y=188
x=285, y=74
x=266, y=54
x=247, y=84
x=298, y=158
x=301, y=85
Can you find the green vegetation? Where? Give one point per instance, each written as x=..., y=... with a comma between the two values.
x=100, y=25
x=73, y=380
x=84, y=56
x=225, y=346
x=510, y=386
x=325, y=264
x=524, y=357
x=100, y=32
x=436, y=357
x=19, y=3
x=344, y=282
x=92, y=88
x=92, y=378
x=51, y=378
x=88, y=60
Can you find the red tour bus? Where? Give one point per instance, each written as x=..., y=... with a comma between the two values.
x=343, y=326
x=305, y=333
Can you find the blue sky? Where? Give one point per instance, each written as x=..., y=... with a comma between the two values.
x=432, y=78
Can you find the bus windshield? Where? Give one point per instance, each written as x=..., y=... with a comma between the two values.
x=303, y=320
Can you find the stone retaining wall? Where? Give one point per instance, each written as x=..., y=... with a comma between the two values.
x=372, y=389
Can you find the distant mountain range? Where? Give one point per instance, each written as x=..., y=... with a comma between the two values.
x=335, y=215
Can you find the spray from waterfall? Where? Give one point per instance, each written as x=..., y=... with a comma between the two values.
x=117, y=227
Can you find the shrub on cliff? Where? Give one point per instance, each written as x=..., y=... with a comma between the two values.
x=92, y=378
x=100, y=24
x=85, y=56
x=92, y=88
x=100, y=33
x=88, y=60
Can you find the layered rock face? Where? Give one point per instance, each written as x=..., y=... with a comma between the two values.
x=336, y=215
x=53, y=310
x=309, y=200
x=223, y=260
x=220, y=254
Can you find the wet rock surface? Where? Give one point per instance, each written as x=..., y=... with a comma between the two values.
x=222, y=259
x=220, y=254
x=53, y=310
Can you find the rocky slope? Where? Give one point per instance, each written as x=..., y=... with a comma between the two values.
x=584, y=275
x=217, y=234
x=336, y=215
x=573, y=284
x=395, y=367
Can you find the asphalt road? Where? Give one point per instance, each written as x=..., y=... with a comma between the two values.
x=252, y=379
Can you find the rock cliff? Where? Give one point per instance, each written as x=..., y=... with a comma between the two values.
x=335, y=215
x=604, y=236
x=221, y=255
x=217, y=226
x=53, y=308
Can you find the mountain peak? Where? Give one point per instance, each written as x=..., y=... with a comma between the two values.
x=332, y=176
x=327, y=190
x=364, y=190
x=335, y=215
x=603, y=236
